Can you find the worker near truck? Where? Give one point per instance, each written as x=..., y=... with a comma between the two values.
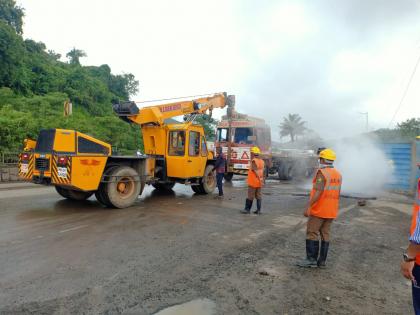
x=255, y=181
x=410, y=267
x=220, y=167
x=321, y=210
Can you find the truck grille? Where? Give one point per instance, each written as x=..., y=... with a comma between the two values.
x=42, y=164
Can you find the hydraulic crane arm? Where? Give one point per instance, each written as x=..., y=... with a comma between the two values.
x=157, y=114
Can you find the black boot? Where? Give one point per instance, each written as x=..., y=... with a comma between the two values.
x=312, y=249
x=248, y=206
x=323, y=254
x=258, y=211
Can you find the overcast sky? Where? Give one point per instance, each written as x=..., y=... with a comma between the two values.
x=326, y=60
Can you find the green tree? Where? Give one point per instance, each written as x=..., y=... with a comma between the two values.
x=12, y=54
x=409, y=128
x=124, y=85
x=74, y=56
x=292, y=126
x=34, y=84
x=53, y=54
x=131, y=84
x=209, y=124
x=12, y=15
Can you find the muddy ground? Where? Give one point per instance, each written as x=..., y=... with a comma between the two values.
x=62, y=257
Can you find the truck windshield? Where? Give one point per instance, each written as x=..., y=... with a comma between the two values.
x=242, y=134
x=222, y=134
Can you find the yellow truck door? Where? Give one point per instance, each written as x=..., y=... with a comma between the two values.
x=185, y=158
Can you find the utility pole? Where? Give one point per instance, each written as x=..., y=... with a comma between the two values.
x=367, y=119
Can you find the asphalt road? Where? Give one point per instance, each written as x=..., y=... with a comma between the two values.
x=63, y=257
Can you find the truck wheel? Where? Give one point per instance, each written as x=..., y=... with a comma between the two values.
x=123, y=187
x=285, y=171
x=196, y=189
x=101, y=194
x=228, y=177
x=79, y=195
x=73, y=194
x=63, y=192
x=102, y=197
x=165, y=186
x=208, y=182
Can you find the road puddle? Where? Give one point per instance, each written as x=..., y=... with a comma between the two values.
x=194, y=307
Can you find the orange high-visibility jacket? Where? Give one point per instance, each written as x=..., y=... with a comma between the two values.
x=256, y=180
x=416, y=209
x=327, y=205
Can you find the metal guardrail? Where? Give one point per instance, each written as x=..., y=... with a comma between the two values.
x=9, y=158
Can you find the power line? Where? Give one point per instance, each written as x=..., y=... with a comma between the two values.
x=405, y=92
x=173, y=98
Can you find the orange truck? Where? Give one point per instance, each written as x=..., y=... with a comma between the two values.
x=236, y=136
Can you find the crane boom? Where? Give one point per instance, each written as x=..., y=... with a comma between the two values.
x=157, y=114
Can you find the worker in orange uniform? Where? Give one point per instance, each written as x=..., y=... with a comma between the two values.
x=255, y=181
x=322, y=210
x=410, y=267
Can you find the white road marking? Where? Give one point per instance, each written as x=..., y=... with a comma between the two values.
x=73, y=228
x=113, y=276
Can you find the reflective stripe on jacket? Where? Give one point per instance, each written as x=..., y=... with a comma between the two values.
x=256, y=180
x=327, y=205
x=414, y=230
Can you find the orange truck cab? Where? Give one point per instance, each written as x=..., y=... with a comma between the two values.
x=237, y=137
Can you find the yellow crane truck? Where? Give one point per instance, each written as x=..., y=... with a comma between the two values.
x=79, y=165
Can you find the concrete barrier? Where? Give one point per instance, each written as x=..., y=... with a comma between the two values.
x=9, y=174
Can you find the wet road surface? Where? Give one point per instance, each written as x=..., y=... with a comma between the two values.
x=67, y=257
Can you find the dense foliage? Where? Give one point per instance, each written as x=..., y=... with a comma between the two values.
x=209, y=124
x=34, y=84
x=407, y=130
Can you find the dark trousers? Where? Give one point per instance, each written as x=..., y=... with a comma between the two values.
x=416, y=289
x=219, y=178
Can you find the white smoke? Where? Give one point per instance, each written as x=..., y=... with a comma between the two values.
x=363, y=165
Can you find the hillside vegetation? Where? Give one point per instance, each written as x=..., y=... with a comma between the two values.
x=35, y=83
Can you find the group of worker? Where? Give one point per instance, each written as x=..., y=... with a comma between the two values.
x=323, y=203
x=322, y=209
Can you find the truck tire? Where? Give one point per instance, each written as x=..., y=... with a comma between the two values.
x=73, y=194
x=228, y=177
x=123, y=187
x=63, y=192
x=285, y=171
x=163, y=186
x=196, y=189
x=101, y=194
x=79, y=195
x=208, y=182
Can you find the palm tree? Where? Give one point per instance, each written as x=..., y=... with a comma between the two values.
x=74, y=55
x=292, y=126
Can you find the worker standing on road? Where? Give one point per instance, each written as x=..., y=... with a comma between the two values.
x=322, y=209
x=220, y=168
x=255, y=181
x=410, y=267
